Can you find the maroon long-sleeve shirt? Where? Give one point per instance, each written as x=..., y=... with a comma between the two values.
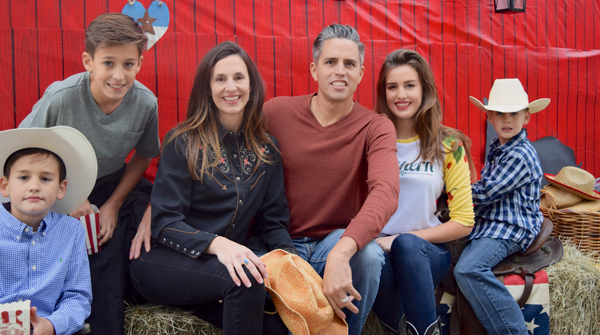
x=344, y=175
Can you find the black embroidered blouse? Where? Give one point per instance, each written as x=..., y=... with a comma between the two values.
x=188, y=214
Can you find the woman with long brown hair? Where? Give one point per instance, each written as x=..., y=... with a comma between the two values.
x=431, y=157
x=220, y=170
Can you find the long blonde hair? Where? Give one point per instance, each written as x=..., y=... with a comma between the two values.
x=201, y=124
x=428, y=118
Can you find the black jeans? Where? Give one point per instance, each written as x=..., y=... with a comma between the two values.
x=110, y=267
x=165, y=276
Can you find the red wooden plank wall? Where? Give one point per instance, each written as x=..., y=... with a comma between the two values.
x=553, y=48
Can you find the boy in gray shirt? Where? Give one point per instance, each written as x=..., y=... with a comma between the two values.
x=117, y=114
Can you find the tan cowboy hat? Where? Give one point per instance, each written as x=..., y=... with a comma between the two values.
x=507, y=96
x=576, y=181
x=554, y=197
x=67, y=143
x=297, y=292
x=585, y=206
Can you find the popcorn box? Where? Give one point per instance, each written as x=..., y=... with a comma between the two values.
x=91, y=223
x=14, y=318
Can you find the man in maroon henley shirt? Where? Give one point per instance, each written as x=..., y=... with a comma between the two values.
x=341, y=174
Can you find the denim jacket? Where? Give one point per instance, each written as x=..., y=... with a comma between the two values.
x=188, y=214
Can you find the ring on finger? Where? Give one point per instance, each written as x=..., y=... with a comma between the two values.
x=246, y=261
x=345, y=300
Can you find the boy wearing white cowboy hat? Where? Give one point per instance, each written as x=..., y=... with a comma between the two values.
x=507, y=215
x=43, y=256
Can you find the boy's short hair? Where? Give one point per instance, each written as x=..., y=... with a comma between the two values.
x=113, y=29
x=41, y=153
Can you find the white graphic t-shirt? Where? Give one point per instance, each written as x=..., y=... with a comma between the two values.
x=422, y=182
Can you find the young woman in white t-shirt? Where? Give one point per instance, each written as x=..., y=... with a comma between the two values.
x=431, y=157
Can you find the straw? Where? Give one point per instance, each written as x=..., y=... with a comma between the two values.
x=574, y=293
x=553, y=196
x=574, y=304
x=150, y=319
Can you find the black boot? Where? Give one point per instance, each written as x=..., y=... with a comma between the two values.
x=434, y=328
x=387, y=330
x=406, y=328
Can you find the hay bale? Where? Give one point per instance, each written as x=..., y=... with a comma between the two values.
x=574, y=293
x=151, y=319
x=574, y=304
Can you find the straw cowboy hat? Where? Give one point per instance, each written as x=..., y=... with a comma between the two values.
x=585, y=206
x=507, y=96
x=575, y=181
x=297, y=292
x=68, y=144
x=554, y=197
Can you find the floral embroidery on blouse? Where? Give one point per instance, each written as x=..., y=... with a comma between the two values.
x=249, y=158
x=224, y=162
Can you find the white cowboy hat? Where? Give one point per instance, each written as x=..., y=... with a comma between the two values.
x=508, y=96
x=68, y=144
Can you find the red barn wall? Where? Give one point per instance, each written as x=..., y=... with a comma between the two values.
x=553, y=48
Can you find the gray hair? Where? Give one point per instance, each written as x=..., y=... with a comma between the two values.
x=337, y=30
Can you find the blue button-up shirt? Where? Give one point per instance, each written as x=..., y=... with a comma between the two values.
x=49, y=267
x=507, y=198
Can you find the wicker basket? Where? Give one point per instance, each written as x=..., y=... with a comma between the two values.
x=581, y=228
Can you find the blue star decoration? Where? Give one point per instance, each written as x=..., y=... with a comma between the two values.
x=444, y=310
x=537, y=319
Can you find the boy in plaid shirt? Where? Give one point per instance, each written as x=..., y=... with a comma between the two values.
x=507, y=215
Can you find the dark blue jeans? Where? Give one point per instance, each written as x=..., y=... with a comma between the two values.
x=495, y=308
x=413, y=269
x=365, y=264
x=165, y=276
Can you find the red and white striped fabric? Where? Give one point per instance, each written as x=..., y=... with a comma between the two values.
x=91, y=224
x=537, y=308
x=15, y=318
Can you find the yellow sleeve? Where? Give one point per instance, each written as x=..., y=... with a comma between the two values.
x=458, y=185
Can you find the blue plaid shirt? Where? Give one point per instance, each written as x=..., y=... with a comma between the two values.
x=507, y=198
x=49, y=267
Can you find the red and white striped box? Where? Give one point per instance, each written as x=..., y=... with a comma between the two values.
x=15, y=318
x=91, y=224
